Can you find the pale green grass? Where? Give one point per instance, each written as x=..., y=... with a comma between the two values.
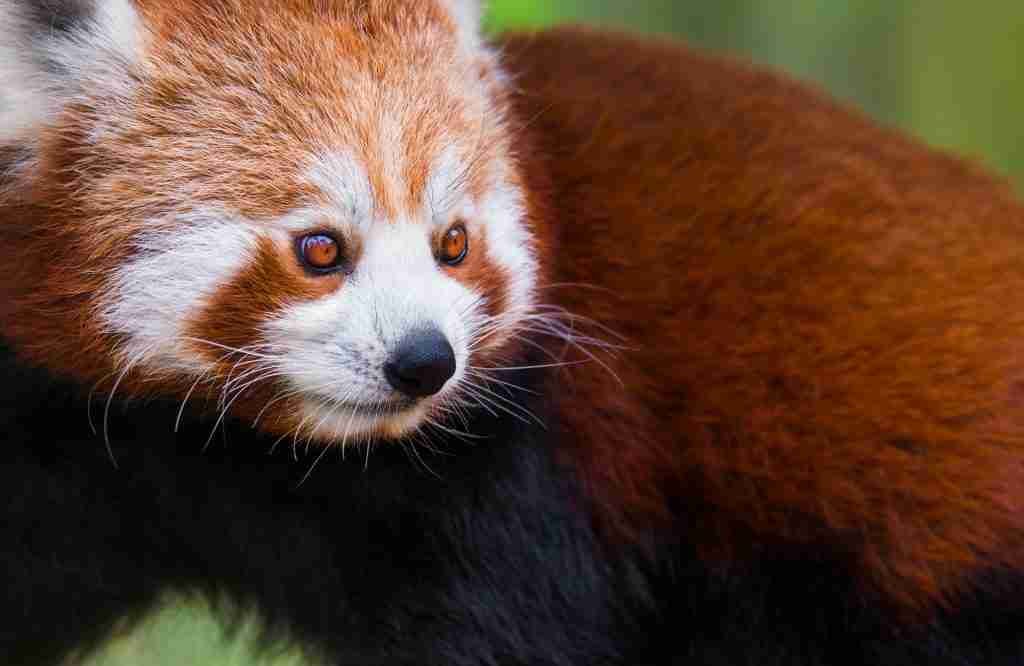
x=188, y=634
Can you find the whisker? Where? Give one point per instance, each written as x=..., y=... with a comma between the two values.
x=316, y=462
x=228, y=348
x=501, y=403
x=412, y=449
x=110, y=399
x=181, y=410
x=539, y=366
x=476, y=372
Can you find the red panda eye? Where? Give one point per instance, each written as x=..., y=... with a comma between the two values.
x=454, y=245
x=320, y=253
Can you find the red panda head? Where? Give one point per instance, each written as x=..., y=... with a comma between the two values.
x=308, y=207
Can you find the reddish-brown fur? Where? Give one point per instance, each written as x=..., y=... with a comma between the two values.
x=825, y=319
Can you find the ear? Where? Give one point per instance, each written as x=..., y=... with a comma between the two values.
x=467, y=15
x=53, y=50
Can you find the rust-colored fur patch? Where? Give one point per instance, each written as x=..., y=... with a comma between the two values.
x=825, y=319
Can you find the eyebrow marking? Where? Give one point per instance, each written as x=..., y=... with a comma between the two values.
x=444, y=187
x=345, y=184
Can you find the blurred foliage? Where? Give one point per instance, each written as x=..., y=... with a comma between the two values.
x=189, y=633
x=947, y=70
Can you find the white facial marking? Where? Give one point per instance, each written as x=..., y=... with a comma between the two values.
x=444, y=189
x=343, y=180
x=176, y=272
x=510, y=244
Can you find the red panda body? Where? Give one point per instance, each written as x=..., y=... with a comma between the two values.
x=646, y=356
x=820, y=314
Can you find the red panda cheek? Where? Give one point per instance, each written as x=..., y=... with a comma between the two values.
x=272, y=281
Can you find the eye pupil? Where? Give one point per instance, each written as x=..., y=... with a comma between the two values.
x=454, y=245
x=320, y=252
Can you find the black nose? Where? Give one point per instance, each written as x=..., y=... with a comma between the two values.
x=421, y=364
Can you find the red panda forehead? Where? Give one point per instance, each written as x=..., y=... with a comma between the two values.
x=352, y=27
x=239, y=97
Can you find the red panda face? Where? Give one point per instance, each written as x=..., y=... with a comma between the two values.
x=306, y=208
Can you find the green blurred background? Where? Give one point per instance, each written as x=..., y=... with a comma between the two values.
x=947, y=70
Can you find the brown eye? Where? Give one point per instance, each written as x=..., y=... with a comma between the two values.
x=454, y=245
x=320, y=253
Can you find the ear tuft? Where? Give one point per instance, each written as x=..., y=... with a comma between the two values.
x=468, y=15
x=51, y=50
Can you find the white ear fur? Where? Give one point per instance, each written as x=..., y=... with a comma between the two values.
x=20, y=98
x=51, y=51
x=468, y=15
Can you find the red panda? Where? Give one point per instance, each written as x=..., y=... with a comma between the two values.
x=571, y=348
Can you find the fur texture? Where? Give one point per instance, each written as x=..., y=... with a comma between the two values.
x=759, y=386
